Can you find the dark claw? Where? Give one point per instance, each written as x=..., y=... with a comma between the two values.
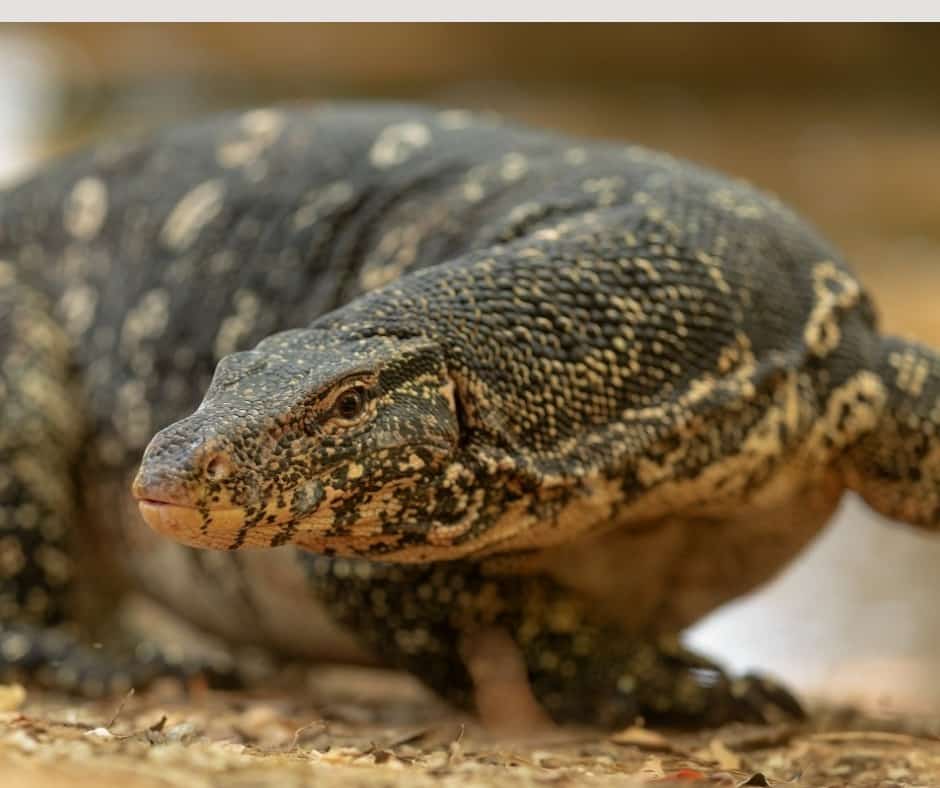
x=761, y=699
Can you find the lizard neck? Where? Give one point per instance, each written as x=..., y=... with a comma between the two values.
x=896, y=466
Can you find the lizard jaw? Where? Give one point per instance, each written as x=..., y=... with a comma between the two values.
x=213, y=529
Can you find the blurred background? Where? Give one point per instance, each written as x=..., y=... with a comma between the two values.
x=842, y=121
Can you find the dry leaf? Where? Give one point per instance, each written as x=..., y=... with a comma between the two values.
x=12, y=696
x=643, y=738
x=652, y=768
x=725, y=758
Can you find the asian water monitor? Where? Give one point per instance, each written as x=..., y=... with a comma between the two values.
x=593, y=393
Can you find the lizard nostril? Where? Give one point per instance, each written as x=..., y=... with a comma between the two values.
x=218, y=467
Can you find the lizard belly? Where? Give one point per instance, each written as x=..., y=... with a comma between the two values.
x=668, y=574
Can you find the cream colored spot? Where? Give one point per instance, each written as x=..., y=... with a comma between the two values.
x=12, y=559
x=77, y=307
x=912, y=371
x=397, y=143
x=146, y=320
x=547, y=234
x=197, y=208
x=322, y=203
x=514, y=166
x=648, y=268
x=575, y=156
x=86, y=208
x=453, y=119
x=415, y=463
x=853, y=409
x=262, y=129
x=235, y=328
x=473, y=191
x=601, y=185
x=835, y=290
x=48, y=397
x=7, y=274
x=263, y=122
x=132, y=414
x=374, y=276
x=14, y=647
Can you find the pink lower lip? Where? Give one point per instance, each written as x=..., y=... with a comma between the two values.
x=187, y=524
x=158, y=503
x=178, y=522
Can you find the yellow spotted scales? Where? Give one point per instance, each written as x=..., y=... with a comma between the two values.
x=483, y=376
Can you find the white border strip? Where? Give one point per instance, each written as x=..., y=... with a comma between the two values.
x=476, y=11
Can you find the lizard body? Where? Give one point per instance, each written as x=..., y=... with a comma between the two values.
x=567, y=354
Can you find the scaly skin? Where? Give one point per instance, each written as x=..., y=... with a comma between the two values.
x=595, y=356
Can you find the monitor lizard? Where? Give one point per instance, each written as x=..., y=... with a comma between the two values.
x=481, y=375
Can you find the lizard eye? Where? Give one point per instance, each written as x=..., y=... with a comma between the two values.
x=350, y=404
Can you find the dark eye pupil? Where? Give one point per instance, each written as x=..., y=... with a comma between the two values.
x=350, y=404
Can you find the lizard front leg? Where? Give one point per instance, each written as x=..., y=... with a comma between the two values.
x=41, y=434
x=580, y=668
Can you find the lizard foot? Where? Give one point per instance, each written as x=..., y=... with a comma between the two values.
x=56, y=659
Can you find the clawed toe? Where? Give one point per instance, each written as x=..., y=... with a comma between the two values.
x=762, y=699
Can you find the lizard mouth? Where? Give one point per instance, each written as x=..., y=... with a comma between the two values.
x=190, y=525
x=174, y=512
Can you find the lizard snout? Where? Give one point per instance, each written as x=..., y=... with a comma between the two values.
x=180, y=489
x=181, y=469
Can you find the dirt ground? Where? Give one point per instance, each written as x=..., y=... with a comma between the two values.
x=376, y=728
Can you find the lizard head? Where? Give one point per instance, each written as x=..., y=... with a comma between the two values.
x=314, y=439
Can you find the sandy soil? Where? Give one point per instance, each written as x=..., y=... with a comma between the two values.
x=369, y=727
